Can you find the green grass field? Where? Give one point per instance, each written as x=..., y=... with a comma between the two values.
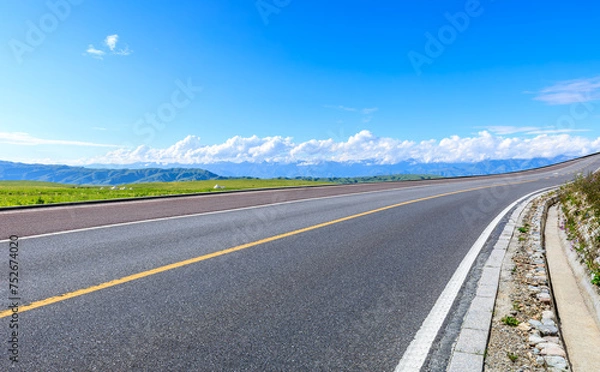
x=32, y=192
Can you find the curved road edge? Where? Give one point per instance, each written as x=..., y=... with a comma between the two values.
x=475, y=340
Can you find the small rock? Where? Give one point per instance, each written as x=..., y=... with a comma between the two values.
x=545, y=344
x=548, y=322
x=548, y=330
x=556, y=363
x=551, y=339
x=536, y=351
x=534, y=289
x=540, y=278
x=544, y=297
x=535, y=323
x=558, y=351
x=524, y=327
x=533, y=339
x=547, y=314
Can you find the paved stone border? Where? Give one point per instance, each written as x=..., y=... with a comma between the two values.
x=579, y=328
x=468, y=353
x=580, y=272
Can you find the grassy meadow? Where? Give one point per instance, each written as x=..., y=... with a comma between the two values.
x=14, y=193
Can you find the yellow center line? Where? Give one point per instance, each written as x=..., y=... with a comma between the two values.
x=161, y=269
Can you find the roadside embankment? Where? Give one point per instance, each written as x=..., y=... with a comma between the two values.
x=547, y=311
x=574, y=298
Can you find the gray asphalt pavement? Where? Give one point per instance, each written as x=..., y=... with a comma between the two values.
x=348, y=295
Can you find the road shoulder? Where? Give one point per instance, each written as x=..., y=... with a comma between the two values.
x=537, y=324
x=470, y=350
x=577, y=321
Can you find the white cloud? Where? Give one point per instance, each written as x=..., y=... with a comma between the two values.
x=96, y=53
x=557, y=131
x=368, y=111
x=363, y=146
x=365, y=112
x=24, y=139
x=123, y=52
x=507, y=129
x=571, y=91
x=111, y=41
x=341, y=107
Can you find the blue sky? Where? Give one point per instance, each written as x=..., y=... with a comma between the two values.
x=297, y=80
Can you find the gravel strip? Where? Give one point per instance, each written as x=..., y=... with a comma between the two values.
x=524, y=333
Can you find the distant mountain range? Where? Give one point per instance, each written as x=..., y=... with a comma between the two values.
x=358, y=169
x=99, y=174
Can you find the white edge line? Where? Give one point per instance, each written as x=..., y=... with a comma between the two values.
x=160, y=219
x=509, y=228
x=418, y=349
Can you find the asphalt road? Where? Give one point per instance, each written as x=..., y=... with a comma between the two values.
x=302, y=280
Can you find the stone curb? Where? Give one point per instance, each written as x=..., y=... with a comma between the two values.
x=591, y=296
x=468, y=352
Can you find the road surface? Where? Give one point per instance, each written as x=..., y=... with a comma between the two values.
x=328, y=278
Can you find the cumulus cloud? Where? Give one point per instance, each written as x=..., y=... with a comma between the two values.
x=110, y=42
x=363, y=146
x=571, y=91
x=96, y=53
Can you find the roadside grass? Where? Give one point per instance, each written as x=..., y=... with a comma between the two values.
x=13, y=193
x=510, y=321
x=581, y=206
